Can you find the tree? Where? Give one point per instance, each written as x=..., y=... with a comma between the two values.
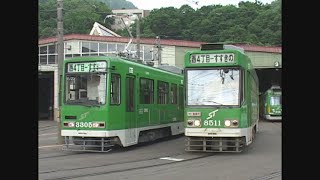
x=165, y=22
x=267, y=26
x=251, y=22
x=78, y=16
x=119, y=4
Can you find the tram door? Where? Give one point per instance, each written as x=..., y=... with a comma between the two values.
x=131, y=132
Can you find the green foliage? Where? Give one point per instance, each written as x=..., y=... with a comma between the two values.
x=267, y=25
x=249, y=22
x=78, y=16
x=119, y=4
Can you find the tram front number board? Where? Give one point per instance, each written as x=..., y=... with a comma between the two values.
x=87, y=67
x=212, y=58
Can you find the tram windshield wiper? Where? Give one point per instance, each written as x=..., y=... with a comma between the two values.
x=85, y=102
x=214, y=102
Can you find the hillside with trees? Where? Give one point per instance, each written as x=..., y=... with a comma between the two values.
x=249, y=22
x=119, y=4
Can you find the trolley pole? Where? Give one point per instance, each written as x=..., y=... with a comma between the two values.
x=138, y=38
x=60, y=63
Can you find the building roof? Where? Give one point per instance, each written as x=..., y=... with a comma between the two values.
x=168, y=42
x=248, y=47
x=100, y=30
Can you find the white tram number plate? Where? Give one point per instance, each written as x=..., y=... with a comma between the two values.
x=212, y=58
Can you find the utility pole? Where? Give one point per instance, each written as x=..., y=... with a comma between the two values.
x=138, y=38
x=159, y=48
x=60, y=45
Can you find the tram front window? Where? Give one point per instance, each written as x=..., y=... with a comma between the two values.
x=87, y=89
x=275, y=100
x=219, y=87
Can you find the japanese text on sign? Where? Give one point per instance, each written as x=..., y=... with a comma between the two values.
x=87, y=67
x=212, y=58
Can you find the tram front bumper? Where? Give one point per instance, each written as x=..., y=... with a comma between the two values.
x=216, y=132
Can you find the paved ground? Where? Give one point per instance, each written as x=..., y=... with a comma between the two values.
x=161, y=160
x=45, y=123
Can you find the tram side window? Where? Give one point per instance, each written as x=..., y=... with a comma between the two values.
x=163, y=92
x=181, y=97
x=146, y=91
x=243, y=76
x=115, y=89
x=173, y=93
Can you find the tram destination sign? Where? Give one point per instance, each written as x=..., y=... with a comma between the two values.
x=87, y=67
x=212, y=58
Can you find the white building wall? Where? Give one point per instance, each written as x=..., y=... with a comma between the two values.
x=72, y=47
x=168, y=55
x=265, y=60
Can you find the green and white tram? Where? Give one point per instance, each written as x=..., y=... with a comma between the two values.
x=108, y=101
x=222, y=99
x=270, y=104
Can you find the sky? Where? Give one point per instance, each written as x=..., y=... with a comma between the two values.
x=152, y=4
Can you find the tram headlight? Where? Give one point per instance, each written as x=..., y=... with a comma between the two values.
x=95, y=124
x=197, y=123
x=98, y=124
x=227, y=123
x=235, y=123
x=190, y=122
x=68, y=124
x=231, y=123
x=71, y=124
x=194, y=123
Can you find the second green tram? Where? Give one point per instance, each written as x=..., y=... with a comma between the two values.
x=113, y=101
x=271, y=104
x=222, y=99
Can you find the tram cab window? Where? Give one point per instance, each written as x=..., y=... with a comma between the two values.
x=87, y=89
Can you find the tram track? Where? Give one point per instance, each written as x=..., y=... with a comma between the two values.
x=113, y=167
x=74, y=153
x=61, y=155
x=105, y=165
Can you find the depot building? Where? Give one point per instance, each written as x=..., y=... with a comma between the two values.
x=266, y=60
